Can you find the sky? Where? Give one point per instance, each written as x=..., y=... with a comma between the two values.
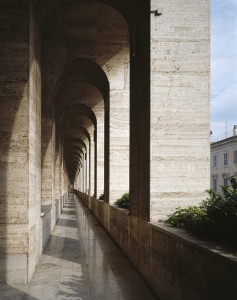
x=223, y=65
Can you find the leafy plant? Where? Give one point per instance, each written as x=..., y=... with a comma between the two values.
x=101, y=197
x=215, y=218
x=191, y=218
x=123, y=202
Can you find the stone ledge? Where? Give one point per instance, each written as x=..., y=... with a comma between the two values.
x=123, y=210
x=210, y=247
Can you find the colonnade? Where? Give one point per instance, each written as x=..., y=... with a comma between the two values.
x=107, y=97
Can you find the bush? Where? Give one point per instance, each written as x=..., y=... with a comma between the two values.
x=215, y=218
x=191, y=218
x=101, y=197
x=123, y=202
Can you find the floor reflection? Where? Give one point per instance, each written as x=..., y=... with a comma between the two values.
x=80, y=261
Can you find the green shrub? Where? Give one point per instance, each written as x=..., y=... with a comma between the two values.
x=192, y=218
x=215, y=218
x=123, y=202
x=101, y=197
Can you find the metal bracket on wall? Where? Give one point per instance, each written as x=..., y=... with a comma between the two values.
x=156, y=12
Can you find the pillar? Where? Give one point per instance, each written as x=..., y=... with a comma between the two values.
x=180, y=129
x=20, y=134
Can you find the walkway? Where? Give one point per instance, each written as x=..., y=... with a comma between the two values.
x=80, y=262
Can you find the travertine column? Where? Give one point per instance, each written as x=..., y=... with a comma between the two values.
x=83, y=173
x=140, y=113
x=99, y=113
x=48, y=154
x=20, y=159
x=179, y=105
x=92, y=161
x=61, y=177
x=57, y=168
x=119, y=124
x=81, y=179
x=34, y=203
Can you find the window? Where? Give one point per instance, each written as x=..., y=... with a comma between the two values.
x=214, y=184
x=225, y=181
x=225, y=159
x=214, y=161
x=235, y=157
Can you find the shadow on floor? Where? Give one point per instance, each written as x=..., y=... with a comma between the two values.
x=16, y=291
x=67, y=223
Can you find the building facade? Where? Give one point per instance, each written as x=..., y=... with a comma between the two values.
x=223, y=161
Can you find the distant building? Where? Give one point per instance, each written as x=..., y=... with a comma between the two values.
x=223, y=161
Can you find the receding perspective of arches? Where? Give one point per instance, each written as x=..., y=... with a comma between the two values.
x=107, y=97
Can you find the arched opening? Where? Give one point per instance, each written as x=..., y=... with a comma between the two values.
x=101, y=64
x=78, y=126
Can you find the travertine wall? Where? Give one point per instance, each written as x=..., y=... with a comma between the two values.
x=180, y=128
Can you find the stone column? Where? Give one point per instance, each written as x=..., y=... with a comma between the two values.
x=83, y=173
x=57, y=168
x=99, y=112
x=92, y=160
x=180, y=131
x=118, y=124
x=48, y=153
x=140, y=134
x=20, y=133
x=86, y=169
x=140, y=111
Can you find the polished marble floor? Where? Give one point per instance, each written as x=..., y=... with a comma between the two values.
x=80, y=262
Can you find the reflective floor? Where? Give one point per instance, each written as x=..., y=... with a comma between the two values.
x=81, y=262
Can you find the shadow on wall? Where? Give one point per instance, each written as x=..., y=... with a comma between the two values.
x=15, y=179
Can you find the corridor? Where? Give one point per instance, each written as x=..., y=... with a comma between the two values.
x=80, y=261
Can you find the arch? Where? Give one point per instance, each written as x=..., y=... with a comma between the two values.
x=87, y=71
x=63, y=117
x=77, y=141
x=122, y=7
x=78, y=128
x=81, y=109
